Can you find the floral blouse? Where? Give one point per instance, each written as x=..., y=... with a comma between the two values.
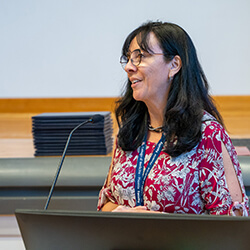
x=192, y=183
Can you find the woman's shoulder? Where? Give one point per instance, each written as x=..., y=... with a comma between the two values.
x=210, y=124
x=213, y=133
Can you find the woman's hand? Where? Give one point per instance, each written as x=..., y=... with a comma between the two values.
x=139, y=209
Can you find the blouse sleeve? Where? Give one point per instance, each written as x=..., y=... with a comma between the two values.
x=105, y=193
x=213, y=185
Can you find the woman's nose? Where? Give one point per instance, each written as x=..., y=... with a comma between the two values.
x=130, y=67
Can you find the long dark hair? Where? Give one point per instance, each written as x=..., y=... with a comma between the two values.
x=187, y=99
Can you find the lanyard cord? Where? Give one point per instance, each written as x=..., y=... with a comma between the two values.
x=141, y=177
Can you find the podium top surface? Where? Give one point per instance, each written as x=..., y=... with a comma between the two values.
x=106, y=230
x=134, y=216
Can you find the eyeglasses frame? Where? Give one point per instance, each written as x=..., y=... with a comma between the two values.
x=123, y=63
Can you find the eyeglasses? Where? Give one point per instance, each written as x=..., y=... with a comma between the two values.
x=135, y=58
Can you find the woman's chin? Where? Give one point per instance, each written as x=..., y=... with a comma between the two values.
x=137, y=96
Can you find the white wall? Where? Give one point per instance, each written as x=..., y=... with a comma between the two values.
x=71, y=48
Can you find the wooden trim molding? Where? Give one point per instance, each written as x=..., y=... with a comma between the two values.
x=15, y=114
x=40, y=105
x=37, y=105
x=233, y=103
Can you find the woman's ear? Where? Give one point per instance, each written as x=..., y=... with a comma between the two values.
x=175, y=66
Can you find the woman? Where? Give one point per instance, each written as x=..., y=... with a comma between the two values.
x=172, y=153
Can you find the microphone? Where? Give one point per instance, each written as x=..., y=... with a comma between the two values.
x=95, y=119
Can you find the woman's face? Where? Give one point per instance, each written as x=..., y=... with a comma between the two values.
x=150, y=79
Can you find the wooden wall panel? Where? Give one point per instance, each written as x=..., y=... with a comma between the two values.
x=39, y=105
x=235, y=111
x=15, y=114
x=235, y=104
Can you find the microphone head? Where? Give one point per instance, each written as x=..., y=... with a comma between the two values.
x=97, y=118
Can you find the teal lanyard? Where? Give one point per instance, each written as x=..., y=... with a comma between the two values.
x=141, y=177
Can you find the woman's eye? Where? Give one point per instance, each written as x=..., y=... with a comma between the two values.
x=145, y=54
x=142, y=55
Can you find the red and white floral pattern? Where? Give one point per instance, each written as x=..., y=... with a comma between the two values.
x=193, y=182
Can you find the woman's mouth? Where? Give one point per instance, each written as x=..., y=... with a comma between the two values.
x=134, y=82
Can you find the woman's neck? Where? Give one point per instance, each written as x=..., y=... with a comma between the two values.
x=154, y=137
x=156, y=111
x=156, y=117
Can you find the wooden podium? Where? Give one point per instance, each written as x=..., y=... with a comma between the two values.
x=72, y=230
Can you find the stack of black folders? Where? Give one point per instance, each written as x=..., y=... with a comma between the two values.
x=51, y=131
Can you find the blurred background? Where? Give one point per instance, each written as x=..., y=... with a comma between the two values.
x=71, y=48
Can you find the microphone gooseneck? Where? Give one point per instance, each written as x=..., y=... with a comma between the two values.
x=95, y=119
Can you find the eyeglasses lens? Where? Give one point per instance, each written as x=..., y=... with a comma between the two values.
x=135, y=58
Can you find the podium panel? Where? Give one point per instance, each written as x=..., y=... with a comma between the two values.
x=55, y=230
